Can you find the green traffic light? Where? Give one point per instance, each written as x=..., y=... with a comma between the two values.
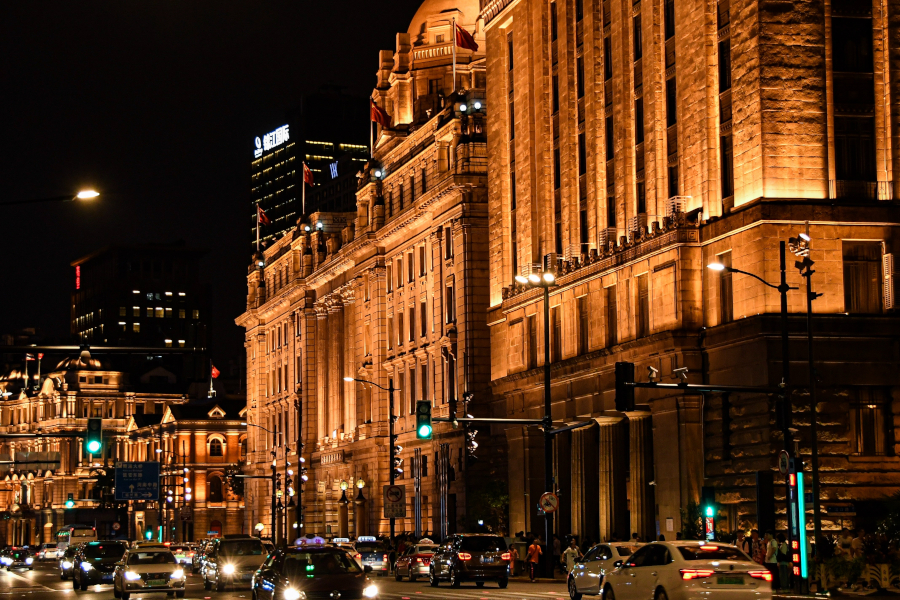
x=93, y=446
x=70, y=503
x=425, y=431
x=709, y=511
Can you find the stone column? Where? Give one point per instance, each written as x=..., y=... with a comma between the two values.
x=335, y=364
x=343, y=516
x=321, y=370
x=612, y=493
x=360, y=515
x=585, y=483
x=643, y=506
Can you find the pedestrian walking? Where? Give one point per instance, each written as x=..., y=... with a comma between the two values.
x=752, y=546
x=771, y=559
x=533, y=557
x=784, y=562
x=572, y=553
x=513, y=558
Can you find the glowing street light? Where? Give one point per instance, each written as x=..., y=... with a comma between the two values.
x=87, y=194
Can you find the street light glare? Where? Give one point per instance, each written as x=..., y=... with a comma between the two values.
x=716, y=266
x=549, y=277
x=805, y=237
x=348, y=379
x=87, y=194
x=521, y=279
x=534, y=278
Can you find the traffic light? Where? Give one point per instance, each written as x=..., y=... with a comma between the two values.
x=423, y=420
x=94, y=436
x=624, y=392
x=70, y=501
x=708, y=510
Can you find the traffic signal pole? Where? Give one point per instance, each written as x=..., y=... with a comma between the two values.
x=548, y=436
x=393, y=445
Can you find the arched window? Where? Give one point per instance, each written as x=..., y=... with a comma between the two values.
x=215, y=447
x=244, y=449
x=214, y=489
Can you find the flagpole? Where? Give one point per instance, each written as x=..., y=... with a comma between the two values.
x=303, y=194
x=38, y=384
x=257, y=227
x=371, y=135
x=453, y=39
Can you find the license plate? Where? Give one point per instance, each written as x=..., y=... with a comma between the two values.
x=487, y=559
x=155, y=582
x=730, y=580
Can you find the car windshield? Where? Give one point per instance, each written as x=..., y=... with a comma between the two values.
x=243, y=548
x=151, y=558
x=301, y=565
x=712, y=552
x=101, y=551
x=624, y=550
x=483, y=543
x=370, y=547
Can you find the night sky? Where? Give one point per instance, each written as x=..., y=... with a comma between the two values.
x=155, y=104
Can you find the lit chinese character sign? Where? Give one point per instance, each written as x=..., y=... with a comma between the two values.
x=271, y=140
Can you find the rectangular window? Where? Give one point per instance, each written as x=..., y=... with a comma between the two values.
x=641, y=198
x=555, y=94
x=423, y=318
x=450, y=362
x=607, y=61
x=196, y=314
x=389, y=278
x=579, y=10
x=422, y=265
x=639, y=121
x=448, y=243
x=724, y=65
x=554, y=22
x=410, y=268
x=399, y=272
x=611, y=212
x=168, y=313
x=512, y=190
x=726, y=291
x=434, y=85
x=424, y=371
x=412, y=390
x=612, y=333
x=159, y=313
x=423, y=180
x=532, y=341
x=512, y=120
x=136, y=327
x=871, y=422
x=423, y=471
x=637, y=37
x=582, y=315
x=122, y=311
x=610, y=146
x=451, y=304
x=135, y=311
x=390, y=332
x=854, y=148
x=669, y=18
x=412, y=324
x=400, y=329
x=583, y=230
x=150, y=312
x=557, y=176
x=671, y=110
x=582, y=154
x=555, y=335
x=643, y=316
x=400, y=197
x=509, y=51
x=862, y=277
x=580, y=82
x=727, y=166
x=852, y=45
x=673, y=180
x=182, y=313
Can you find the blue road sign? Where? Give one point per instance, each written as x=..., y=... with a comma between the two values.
x=137, y=480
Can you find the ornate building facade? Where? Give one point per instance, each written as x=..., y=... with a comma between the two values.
x=630, y=144
x=54, y=463
x=393, y=294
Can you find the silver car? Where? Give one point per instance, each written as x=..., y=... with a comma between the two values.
x=233, y=560
x=588, y=573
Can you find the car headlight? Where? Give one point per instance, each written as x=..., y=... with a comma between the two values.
x=131, y=576
x=292, y=594
x=67, y=564
x=228, y=569
x=86, y=566
x=178, y=574
x=371, y=591
x=29, y=560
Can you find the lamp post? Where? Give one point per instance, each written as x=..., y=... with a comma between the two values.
x=165, y=476
x=391, y=418
x=274, y=481
x=81, y=195
x=545, y=280
x=800, y=246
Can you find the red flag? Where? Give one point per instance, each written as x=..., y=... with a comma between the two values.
x=29, y=357
x=307, y=175
x=214, y=372
x=40, y=355
x=464, y=39
x=261, y=217
x=377, y=114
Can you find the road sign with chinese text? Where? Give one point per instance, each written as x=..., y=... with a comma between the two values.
x=394, y=502
x=137, y=481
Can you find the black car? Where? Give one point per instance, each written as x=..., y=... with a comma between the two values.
x=471, y=557
x=67, y=561
x=95, y=562
x=312, y=572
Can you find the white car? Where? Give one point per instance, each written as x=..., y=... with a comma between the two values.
x=146, y=570
x=588, y=573
x=688, y=571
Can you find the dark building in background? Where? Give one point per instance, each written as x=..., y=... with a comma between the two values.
x=146, y=296
x=328, y=132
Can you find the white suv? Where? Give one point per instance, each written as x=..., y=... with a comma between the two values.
x=688, y=571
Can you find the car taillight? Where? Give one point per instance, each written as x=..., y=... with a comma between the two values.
x=504, y=556
x=764, y=575
x=688, y=574
x=419, y=560
x=384, y=558
x=190, y=553
x=357, y=555
x=465, y=556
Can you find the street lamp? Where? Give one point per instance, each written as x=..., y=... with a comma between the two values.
x=274, y=479
x=80, y=195
x=391, y=437
x=545, y=281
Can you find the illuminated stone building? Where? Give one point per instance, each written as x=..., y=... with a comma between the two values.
x=393, y=292
x=630, y=144
x=33, y=493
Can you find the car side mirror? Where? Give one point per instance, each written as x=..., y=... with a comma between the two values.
x=619, y=563
x=367, y=569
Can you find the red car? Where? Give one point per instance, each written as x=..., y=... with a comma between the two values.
x=415, y=561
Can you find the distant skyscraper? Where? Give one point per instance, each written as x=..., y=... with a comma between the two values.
x=327, y=132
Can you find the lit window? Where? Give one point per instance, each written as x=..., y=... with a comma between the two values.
x=168, y=293
x=181, y=343
x=136, y=292
x=122, y=311
x=159, y=312
x=150, y=311
x=168, y=343
x=136, y=327
x=181, y=313
x=122, y=323
x=181, y=294
x=196, y=314
x=135, y=311
x=168, y=313
x=215, y=448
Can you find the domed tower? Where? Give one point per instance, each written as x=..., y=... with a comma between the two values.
x=413, y=80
